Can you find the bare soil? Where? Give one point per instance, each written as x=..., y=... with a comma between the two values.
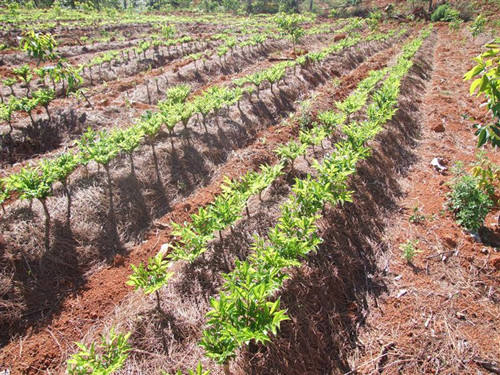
x=355, y=307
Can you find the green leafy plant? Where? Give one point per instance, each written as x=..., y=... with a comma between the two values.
x=478, y=25
x=25, y=75
x=44, y=97
x=59, y=170
x=128, y=141
x=102, y=359
x=31, y=183
x=409, y=249
x=198, y=371
x=416, y=217
x=487, y=174
x=151, y=277
x=468, y=202
x=40, y=46
x=445, y=13
x=290, y=151
x=374, y=19
x=10, y=82
x=290, y=25
x=4, y=195
x=6, y=111
x=486, y=75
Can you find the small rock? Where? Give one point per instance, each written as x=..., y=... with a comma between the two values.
x=164, y=248
x=438, y=128
x=495, y=262
x=118, y=260
x=460, y=315
x=450, y=242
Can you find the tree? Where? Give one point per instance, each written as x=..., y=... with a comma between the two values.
x=487, y=83
x=31, y=183
x=290, y=25
x=151, y=277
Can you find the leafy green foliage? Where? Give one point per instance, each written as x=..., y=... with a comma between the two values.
x=478, y=25
x=290, y=25
x=198, y=371
x=416, y=217
x=29, y=183
x=58, y=169
x=151, y=277
x=487, y=174
x=446, y=13
x=243, y=312
x=486, y=75
x=409, y=249
x=40, y=46
x=290, y=151
x=469, y=203
x=102, y=359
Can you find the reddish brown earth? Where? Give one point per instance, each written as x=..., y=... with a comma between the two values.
x=441, y=313
x=437, y=315
x=106, y=288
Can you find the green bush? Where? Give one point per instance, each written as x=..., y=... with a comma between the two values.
x=445, y=13
x=469, y=202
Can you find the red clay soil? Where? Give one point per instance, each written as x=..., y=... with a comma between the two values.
x=440, y=314
x=40, y=350
x=47, y=347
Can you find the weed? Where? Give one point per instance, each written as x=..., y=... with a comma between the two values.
x=477, y=26
x=416, y=217
x=409, y=249
x=445, y=13
x=469, y=202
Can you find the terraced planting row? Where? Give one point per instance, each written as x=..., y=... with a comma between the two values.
x=194, y=73
x=200, y=170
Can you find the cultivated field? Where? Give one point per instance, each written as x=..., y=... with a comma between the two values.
x=232, y=193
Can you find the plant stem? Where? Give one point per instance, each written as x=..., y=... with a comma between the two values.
x=47, y=223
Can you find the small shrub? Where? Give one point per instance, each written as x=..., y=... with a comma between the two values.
x=374, y=19
x=445, y=13
x=455, y=24
x=409, y=249
x=469, y=203
x=477, y=26
x=487, y=174
x=416, y=217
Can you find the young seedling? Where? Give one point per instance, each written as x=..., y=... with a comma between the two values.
x=416, y=217
x=10, y=82
x=24, y=74
x=40, y=46
x=198, y=371
x=409, y=249
x=290, y=25
x=31, y=183
x=44, y=97
x=151, y=277
x=104, y=358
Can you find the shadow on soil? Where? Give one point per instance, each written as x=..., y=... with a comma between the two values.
x=326, y=299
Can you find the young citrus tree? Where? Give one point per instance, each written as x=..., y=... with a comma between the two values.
x=102, y=359
x=290, y=24
x=486, y=75
x=151, y=277
x=31, y=183
x=40, y=46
